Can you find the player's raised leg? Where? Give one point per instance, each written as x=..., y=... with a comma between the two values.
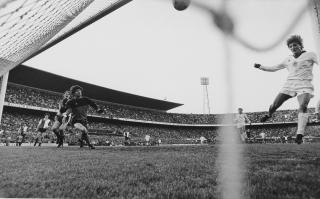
x=278, y=101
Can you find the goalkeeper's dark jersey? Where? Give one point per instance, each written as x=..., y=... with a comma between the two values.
x=80, y=107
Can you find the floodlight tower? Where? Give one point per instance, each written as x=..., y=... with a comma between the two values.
x=206, y=106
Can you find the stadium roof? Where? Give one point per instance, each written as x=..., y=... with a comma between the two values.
x=32, y=77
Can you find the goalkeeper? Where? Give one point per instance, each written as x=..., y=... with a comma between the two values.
x=78, y=106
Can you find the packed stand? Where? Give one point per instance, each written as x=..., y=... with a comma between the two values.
x=12, y=122
x=34, y=97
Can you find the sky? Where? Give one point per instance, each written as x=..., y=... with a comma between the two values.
x=150, y=49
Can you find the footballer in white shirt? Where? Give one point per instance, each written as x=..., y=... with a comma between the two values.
x=299, y=82
x=241, y=120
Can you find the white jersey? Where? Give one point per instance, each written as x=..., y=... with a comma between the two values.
x=241, y=119
x=45, y=123
x=126, y=134
x=25, y=129
x=147, y=138
x=202, y=139
x=299, y=68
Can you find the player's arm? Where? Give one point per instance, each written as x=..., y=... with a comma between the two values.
x=93, y=105
x=39, y=124
x=270, y=68
x=312, y=57
x=65, y=115
x=247, y=119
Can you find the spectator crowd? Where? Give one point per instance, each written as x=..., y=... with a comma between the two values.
x=13, y=120
x=19, y=94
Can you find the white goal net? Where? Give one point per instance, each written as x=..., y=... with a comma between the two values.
x=28, y=27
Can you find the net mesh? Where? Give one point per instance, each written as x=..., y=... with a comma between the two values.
x=316, y=11
x=29, y=26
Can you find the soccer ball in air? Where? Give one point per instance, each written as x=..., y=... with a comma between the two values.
x=181, y=4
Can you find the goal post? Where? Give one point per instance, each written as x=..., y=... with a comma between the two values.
x=4, y=82
x=315, y=15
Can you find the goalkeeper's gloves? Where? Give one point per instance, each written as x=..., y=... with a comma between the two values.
x=257, y=65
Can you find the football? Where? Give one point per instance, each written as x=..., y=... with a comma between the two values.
x=181, y=5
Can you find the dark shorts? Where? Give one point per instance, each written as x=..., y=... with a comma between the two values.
x=42, y=130
x=59, y=118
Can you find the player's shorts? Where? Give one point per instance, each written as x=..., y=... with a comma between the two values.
x=59, y=118
x=241, y=125
x=297, y=87
x=241, y=128
x=42, y=130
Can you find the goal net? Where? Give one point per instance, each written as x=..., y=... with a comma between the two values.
x=28, y=27
x=315, y=12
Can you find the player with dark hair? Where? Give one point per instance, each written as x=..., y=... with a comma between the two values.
x=79, y=105
x=56, y=127
x=299, y=81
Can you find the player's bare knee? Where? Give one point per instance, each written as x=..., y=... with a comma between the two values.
x=80, y=127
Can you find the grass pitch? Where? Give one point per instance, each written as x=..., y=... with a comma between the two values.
x=273, y=171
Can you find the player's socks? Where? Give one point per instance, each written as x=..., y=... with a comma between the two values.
x=56, y=132
x=299, y=139
x=88, y=142
x=302, y=123
x=59, y=142
x=86, y=138
x=61, y=138
x=81, y=143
